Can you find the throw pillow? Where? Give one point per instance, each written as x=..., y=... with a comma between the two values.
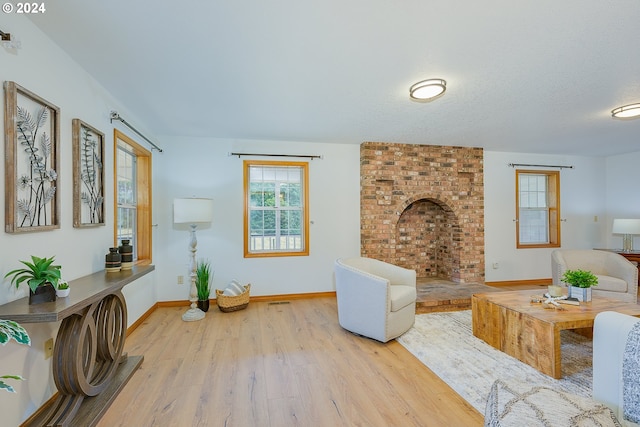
x=233, y=289
x=543, y=406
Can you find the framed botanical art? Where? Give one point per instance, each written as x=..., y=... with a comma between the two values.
x=32, y=134
x=88, y=175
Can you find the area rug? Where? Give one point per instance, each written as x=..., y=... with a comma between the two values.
x=444, y=342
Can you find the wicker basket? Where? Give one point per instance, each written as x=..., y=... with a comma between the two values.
x=228, y=303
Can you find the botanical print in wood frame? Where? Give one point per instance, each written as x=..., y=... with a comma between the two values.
x=32, y=163
x=88, y=175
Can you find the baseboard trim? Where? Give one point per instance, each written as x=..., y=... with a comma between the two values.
x=260, y=298
x=541, y=282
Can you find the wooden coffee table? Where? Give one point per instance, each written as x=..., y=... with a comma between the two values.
x=510, y=322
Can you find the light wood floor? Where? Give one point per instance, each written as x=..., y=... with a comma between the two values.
x=277, y=365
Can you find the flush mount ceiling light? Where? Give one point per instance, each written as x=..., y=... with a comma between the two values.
x=427, y=89
x=624, y=112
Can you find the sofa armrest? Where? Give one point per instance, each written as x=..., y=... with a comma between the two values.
x=620, y=267
x=610, y=333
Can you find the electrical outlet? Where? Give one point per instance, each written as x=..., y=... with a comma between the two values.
x=180, y=280
x=48, y=348
x=496, y=266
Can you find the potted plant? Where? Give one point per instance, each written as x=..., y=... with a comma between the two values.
x=41, y=275
x=63, y=289
x=580, y=283
x=203, y=283
x=12, y=330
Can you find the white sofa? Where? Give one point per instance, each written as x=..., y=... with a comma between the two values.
x=617, y=276
x=610, y=334
x=543, y=406
x=375, y=299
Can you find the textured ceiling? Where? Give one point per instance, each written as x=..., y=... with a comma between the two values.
x=536, y=76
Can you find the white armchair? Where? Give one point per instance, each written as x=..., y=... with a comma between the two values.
x=617, y=276
x=375, y=299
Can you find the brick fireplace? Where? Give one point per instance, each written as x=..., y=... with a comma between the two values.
x=422, y=207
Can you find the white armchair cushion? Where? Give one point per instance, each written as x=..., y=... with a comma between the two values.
x=402, y=296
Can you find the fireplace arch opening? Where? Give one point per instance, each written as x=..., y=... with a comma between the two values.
x=428, y=239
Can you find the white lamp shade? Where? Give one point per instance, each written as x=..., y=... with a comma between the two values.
x=626, y=226
x=191, y=211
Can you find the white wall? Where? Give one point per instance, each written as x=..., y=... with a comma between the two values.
x=41, y=67
x=203, y=168
x=582, y=198
x=623, y=193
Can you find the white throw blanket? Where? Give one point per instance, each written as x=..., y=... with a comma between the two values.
x=631, y=376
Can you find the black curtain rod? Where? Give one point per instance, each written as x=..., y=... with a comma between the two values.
x=116, y=116
x=306, y=156
x=541, y=166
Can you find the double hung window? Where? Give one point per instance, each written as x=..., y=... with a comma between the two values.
x=537, y=209
x=133, y=196
x=276, y=218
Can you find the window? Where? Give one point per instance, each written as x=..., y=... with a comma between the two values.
x=133, y=196
x=537, y=209
x=276, y=214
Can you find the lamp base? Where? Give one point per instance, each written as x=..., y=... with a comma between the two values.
x=193, y=314
x=627, y=243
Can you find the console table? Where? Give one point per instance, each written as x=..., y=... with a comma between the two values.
x=89, y=366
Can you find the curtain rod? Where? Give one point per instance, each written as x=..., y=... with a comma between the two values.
x=541, y=166
x=116, y=116
x=307, y=156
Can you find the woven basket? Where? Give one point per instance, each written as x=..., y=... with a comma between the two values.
x=228, y=303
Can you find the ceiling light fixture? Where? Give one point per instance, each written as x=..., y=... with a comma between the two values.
x=624, y=112
x=427, y=89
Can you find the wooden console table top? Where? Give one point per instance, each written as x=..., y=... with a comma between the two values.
x=84, y=291
x=510, y=322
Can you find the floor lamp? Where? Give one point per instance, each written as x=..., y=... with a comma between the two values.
x=192, y=211
x=626, y=227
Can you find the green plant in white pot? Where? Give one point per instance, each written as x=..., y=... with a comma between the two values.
x=63, y=288
x=580, y=283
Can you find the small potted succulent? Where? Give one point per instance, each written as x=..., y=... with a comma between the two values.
x=63, y=289
x=580, y=283
x=41, y=275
